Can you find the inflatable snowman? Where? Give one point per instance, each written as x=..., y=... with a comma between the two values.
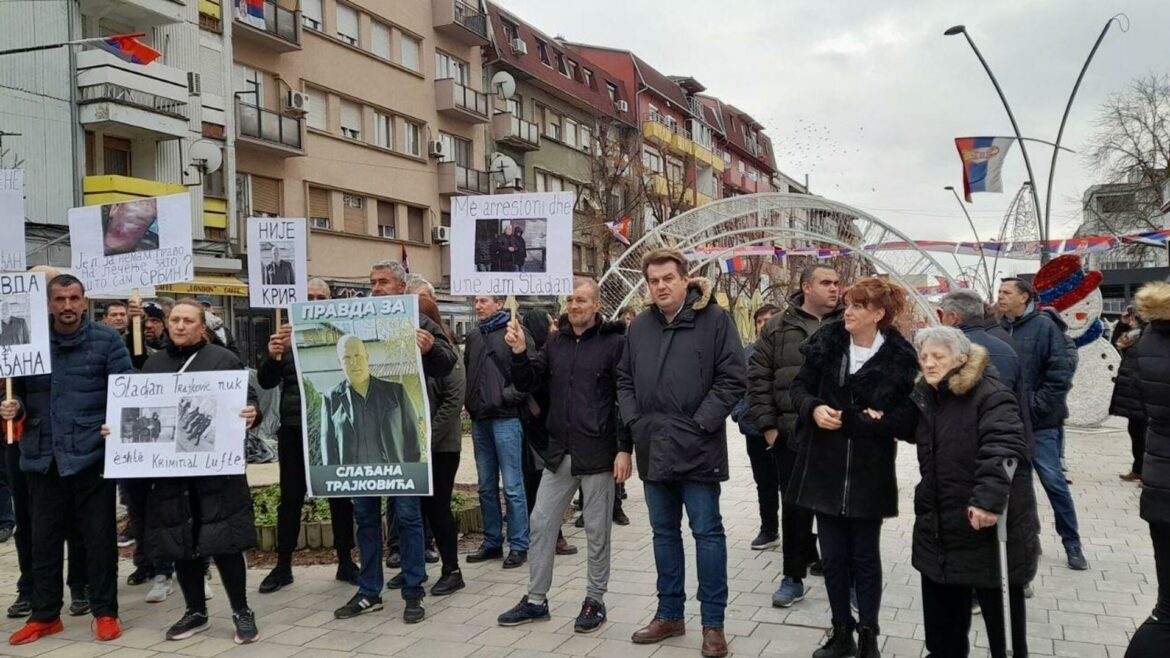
x=1063, y=285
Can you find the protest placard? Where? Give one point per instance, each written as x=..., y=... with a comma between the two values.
x=365, y=413
x=512, y=244
x=12, y=247
x=176, y=424
x=132, y=244
x=277, y=261
x=24, y=325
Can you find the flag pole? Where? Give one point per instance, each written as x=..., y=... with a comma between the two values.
x=62, y=44
x=9, y=432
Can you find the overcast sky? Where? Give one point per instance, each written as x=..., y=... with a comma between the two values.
x=866, y=97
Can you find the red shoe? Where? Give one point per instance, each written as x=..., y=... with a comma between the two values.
x=106, y=629
x=35, y=630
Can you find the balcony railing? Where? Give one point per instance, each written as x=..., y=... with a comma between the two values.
x=268, y=126
x=470, y=18
x=470, y=99
x=511, y=129
x=461, y=101
x=670, y=123
x=108, y=91
x=460, y=20
x=454, y=178
x=280, y=23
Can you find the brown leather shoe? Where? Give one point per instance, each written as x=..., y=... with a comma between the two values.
x=565, y=548
x=714, y=644
x=1131, y=477
x=659, y=629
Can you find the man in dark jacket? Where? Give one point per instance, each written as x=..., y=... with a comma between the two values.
x=585, y=448
x=764, y=462
x=63, y=453
x=1047, y=364
x=771, y=370
x=278, y=368
x=498, y=436
x=681, y=374
x=964, y=309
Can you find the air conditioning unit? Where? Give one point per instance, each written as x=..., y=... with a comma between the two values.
x=194, y=84
x=623, y=106
x=441, y=234
x=296, y=103
x=435, y=148
x=519, y=47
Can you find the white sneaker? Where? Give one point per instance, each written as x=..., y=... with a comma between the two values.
x=160, y=589
x=208, y=594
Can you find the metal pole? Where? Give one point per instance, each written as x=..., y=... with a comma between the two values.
x=1044, y=253
x=1064, y=119
x=978, y=242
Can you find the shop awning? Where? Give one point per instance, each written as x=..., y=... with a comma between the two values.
x=207, y=284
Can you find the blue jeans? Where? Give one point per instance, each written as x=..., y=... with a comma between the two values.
x=665, y=502
x=1047, y=466
x=368, y=514
x=498, y=445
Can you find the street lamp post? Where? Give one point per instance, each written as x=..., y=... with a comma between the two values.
x=974, y=232
x=962, y=29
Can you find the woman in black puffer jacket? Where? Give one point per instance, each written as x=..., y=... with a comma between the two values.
x=189, y=519
x=969, y=426
x=1127, y=398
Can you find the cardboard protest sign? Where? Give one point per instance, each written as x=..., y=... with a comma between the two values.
x=176, y=424
x=277, y=261
x=512, y=244
x=24, y=325
x=132, y=244
x=12, y=247
x=365, y=413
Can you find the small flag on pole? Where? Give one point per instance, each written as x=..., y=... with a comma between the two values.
x=621, y=230
x=128, y=48
x=734, y=264
x=982, y=163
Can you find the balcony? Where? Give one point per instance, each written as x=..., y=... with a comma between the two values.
x=511, y=130
x=460, y=21
x=665, y=133
x=741, y=181
x=456, y=179
x=279, y=30
x=268, y=131
x=459, y=102
x=138, y=102
x=138, y=13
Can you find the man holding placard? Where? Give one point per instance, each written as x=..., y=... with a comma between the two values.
x=62, y=452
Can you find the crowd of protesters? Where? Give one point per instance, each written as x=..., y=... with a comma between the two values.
x=569, y=406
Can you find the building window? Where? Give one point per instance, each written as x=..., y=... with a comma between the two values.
x=411, y=144
x=456, y=149
x=380, y=39
x=570, y=132
x=552, y=122
x=249, y=85
x=586, y=143
x=264, y=195
x=572, y=69
x=351, y=120
x=320, y=208
x=542, y=49
x=311, y=14
x=116, y=156
x=515, y=108
x=410, y=48
x=386, y=219
x=674, y=170
x=561, y=65
x=447, y=66
x=318, y=109
x=416, y=223
x=611, y=88
x=354, y=207
x=384, y=130
x=651, y=160
x=589, y=79
x=739, y=166
x=510, y=31
x=347, y=24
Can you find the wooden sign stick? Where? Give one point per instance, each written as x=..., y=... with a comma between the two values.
x=512, y=305
x=9, y=433
x=279, y=324
x=136, y=323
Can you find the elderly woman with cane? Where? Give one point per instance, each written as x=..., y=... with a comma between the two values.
x=968, y=430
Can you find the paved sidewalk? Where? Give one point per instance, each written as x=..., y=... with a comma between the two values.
x=1074, y=614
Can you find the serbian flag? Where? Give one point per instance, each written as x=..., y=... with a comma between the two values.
x=982, y=163
x=735, y=264
x=621, y=230
x=127, y=47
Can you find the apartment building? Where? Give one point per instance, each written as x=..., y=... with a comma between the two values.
x=366, y=117
x=747, y=151
x=555, y=126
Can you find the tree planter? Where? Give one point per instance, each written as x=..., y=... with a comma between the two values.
x=266, y=537
x=469, y=519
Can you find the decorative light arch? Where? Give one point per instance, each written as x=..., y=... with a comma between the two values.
x=783, y=220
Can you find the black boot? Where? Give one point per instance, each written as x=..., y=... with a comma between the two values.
x=867, y=642
x=840, y=644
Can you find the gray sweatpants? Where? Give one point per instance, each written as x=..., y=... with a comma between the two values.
x=552, y=499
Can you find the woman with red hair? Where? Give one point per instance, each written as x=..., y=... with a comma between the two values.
x=852, y=397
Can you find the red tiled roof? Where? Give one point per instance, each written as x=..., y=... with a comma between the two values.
x=595, y=97
x=732, y=118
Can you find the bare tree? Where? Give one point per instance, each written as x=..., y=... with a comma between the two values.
x=670, y=193
x=615, y=190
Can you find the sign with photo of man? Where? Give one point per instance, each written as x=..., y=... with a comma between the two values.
x=363, y=397
x=176, y=424
x=277, y=261
x=132, y=244
x=512, y=244
x=12, y=249
x=24, y=325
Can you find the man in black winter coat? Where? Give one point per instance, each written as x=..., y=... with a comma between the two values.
x=1047, y=365
x=680, y=376
x=585, y=448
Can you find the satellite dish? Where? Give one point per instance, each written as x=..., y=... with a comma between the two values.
x=506, y=171
x=206, y=155
x=504, y=84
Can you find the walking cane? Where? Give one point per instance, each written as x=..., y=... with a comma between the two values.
x=1009, y=466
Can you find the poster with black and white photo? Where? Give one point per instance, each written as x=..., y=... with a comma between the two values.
x=24, y=325
x=12, y=249
x=512, y=244
x=176, y=424
x=364, y=404
x=132, y=244
x=277, y=261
